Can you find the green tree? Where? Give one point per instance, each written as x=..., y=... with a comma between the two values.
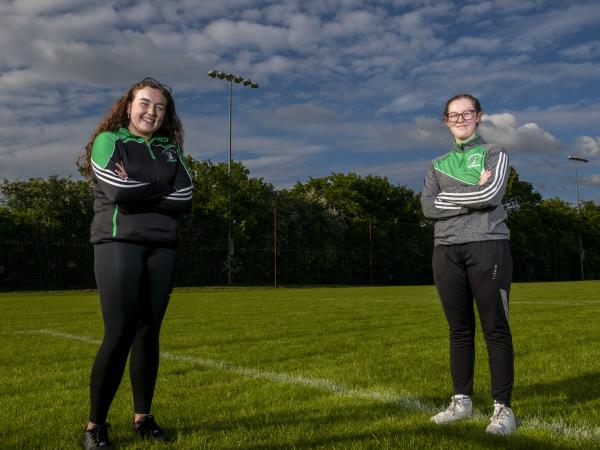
x=44, y=227
x=527, y=233
x=519, y=194
x=589, y=226
x=558, y=254
x=376, y=226
x=249, y=213
x=360, y=198
x=47, y=200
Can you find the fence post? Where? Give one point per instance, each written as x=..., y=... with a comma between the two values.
x=275, y=245
x=370, y=250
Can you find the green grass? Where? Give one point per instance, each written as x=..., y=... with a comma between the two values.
x=344, y=368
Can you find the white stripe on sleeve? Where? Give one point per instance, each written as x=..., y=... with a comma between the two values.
x=485, y=194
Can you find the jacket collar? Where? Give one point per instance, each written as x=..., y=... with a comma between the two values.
x=468, y=145
x=128, y=134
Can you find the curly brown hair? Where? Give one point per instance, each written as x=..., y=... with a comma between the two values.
x=117, y=118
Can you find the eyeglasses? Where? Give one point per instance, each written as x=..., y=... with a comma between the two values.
x=466, y=115
x=157, y=84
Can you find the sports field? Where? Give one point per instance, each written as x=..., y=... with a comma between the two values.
x=344, y=368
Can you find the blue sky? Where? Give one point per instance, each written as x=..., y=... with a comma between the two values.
x=345, y=85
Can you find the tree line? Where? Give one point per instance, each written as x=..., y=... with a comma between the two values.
x=342, y=228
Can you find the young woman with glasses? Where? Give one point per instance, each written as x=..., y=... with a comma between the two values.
x=471, y=260
x=141, y=189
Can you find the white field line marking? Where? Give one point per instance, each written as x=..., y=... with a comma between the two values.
x=558, y=302
x=533, y=423
x=316, y=383
x=511, y=302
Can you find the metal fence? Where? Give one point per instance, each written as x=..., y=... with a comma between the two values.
x=276, y=249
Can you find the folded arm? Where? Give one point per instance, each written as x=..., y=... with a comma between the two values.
x=179, y=201
x=433, y=207
x=120, y=190
x=486, y=195
x=110, y=174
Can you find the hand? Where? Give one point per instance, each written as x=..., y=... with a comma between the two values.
x=120, y=171
x=484, y=177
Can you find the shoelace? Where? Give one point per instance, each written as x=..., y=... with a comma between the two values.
x=100, y=434
x=453, y=405
x=500, y=414
x=148, y=425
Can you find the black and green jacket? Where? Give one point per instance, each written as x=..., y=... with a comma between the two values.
x=146, y=206
x=463, y=211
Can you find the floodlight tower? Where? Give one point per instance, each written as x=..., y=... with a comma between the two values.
x=575, y=159
x=230, y=78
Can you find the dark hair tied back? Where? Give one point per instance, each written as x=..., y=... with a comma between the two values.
x=470, y=97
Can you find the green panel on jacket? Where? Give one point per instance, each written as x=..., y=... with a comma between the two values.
x=103, y=148
x=466, y=166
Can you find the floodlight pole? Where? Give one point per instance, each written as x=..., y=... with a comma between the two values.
x=581, y=253
x=230, y=247
x=230, y=78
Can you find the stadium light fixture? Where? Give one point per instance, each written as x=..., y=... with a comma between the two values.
x=576, y=159
x=230, y=78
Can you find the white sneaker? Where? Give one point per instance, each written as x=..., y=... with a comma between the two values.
x=460, y=408
x=503, y=421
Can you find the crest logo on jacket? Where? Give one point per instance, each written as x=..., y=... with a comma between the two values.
x=474, y=161
x=170, y=155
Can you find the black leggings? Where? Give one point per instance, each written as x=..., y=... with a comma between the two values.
x=480, y=270
x=135, y=283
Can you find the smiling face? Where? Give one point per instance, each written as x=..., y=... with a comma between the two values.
x=462, y=119
x=146, y=112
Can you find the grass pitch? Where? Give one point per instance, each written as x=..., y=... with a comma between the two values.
x=343, y=368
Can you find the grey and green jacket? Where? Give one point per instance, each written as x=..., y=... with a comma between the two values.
x=145, y=207
x=463, y=211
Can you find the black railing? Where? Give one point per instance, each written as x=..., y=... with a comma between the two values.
x=278, y=249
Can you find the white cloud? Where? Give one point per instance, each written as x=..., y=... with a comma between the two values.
x=50, y=7
x=303, y=114
x=341, y=80
x=273, y=65
x=477, y=9
x=552, y=25
x=276, y=166
x=43, y=149
x=404, y=103
x=528, y=139
x=588, y=50
x=588, y=146
x=282, y=160
x=410, y=173
x=139, y=13
x=476, y=44
x=580, y=116
x=369, y=138
x=592, y=180
x=347, y=24
x=228, y=34
x=412, y=24
x=304, y=32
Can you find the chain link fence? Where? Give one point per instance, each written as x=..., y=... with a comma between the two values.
x=276, y=249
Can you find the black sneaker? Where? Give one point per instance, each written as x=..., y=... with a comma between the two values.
x=96, y=438
x=147, y=428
